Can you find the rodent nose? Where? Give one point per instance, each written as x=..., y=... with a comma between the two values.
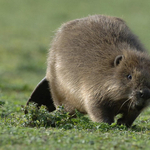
x=145, y=94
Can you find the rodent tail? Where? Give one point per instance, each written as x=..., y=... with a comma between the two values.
x=42, y=96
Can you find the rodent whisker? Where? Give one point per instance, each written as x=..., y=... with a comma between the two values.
x=130, y=105
x=123, y=104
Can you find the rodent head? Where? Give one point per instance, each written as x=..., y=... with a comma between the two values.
x=132, y=80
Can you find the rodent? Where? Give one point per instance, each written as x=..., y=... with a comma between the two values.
x=99, y=67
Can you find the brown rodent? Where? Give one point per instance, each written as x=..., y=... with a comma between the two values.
x=99, y=67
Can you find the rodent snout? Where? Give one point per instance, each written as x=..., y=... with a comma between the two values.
x=144, y=94
x=141, y=98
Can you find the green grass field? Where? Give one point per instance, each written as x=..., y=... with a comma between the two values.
x=26, y=29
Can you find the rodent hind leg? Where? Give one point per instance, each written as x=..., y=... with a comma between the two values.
x=101, y=115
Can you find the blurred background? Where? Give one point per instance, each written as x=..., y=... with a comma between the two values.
x=28, y=26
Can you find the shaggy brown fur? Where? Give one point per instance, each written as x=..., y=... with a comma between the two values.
x=98, y=66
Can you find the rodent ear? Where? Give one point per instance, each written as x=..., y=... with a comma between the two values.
x=117, y=60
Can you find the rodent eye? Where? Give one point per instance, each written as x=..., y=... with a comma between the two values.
x=129, y=77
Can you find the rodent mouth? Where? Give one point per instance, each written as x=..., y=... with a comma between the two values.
x=140, y=99
x=139, y=103
x=139, y=108
x=132, y=103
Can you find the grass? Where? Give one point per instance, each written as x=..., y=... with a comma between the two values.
x=27, y=27
x=36, y=130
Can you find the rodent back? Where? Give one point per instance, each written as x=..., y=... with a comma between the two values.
x=92, y=42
